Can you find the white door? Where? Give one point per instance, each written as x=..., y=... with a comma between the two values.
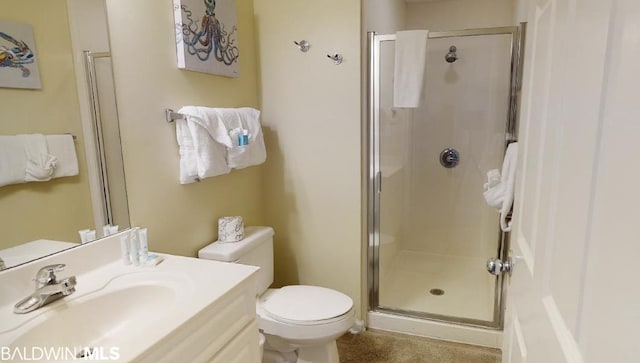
x=575, y=291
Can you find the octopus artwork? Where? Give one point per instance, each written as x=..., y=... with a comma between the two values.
x=16, y=55
x=209, y=37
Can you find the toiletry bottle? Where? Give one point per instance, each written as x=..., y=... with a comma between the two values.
x=143, y=246
x=124, y=248
x=243, y=138
x=113, y=229
x=83, y=235
x=133, y=247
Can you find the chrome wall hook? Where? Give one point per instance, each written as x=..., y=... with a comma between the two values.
x=336, y=58
x=303, y=45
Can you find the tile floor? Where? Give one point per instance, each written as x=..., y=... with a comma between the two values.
x=384, y=347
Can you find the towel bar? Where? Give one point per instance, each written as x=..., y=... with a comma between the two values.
x=171, y=116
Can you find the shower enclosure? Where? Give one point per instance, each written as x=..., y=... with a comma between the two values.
x=430, y=231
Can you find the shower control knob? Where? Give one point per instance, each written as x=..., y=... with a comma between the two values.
x=495, y=266
x=449, y=158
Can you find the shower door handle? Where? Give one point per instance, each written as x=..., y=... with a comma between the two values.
x=379, y=182
x=495, y=266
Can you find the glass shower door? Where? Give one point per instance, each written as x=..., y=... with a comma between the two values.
x=433, y=229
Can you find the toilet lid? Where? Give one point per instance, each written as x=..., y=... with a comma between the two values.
x=300, y=303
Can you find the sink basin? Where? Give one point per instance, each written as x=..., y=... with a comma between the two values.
x=101, y=319
x=124, y=307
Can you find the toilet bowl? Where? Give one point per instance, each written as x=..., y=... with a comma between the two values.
x=300, y=323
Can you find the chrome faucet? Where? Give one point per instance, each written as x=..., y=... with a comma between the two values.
x=48, y=289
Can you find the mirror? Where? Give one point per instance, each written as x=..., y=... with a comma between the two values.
x=76, y=97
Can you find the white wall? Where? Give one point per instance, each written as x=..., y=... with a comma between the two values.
x=459, y=14
x=311, y=116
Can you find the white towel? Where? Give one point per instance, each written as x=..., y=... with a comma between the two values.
x=36, y=158
x=494, y=189
x=237, y=120
x=64, y=149
x=500, y=195
x=410, y=58
x=509, y=169
x=13, y=160
x=203, y=139
x=40, y=164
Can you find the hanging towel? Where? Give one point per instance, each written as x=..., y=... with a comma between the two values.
x=239, y=122
x=36, y=158
x=64, y=150
x=509, y=169
x=40, y=164
x=494, y=189
x=500, y=195
x=410, y=58
x=13, y=160
x=202, y=139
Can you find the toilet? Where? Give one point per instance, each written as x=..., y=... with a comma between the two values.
x=300, y=323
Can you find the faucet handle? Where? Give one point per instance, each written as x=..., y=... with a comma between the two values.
x=47, y=276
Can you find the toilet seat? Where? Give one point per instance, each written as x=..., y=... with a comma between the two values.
x=306, y=305
x=301, y=331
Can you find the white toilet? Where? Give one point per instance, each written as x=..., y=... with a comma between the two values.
x=301, y=323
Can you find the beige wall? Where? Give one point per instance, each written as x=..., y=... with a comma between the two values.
x=311, y=113
x=459, y=14
x=181, y=218
x=384, y=16
x=59, y=208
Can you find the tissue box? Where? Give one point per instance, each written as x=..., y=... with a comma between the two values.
x=230, y=229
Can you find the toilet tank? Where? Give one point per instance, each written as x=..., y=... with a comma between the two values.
x=256, y=249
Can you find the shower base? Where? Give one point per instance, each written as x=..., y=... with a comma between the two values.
x=407, y=279
x=453, y=286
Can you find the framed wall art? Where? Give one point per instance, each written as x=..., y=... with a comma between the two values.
x=18, y=60
x=207, y=36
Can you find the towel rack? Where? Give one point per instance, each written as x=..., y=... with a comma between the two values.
x=171, y=115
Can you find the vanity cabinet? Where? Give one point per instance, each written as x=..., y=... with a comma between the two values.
x=225, y=332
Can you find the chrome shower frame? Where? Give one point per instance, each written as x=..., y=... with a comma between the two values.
x=372, y=173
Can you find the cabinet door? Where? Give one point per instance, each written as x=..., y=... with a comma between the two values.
x=244, y=348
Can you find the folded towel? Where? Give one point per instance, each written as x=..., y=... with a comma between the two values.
x=203, y=139
x=410, y=58
x=13, y=160
x=500, y=195
x=239, y=122
x=40, y=163
x=64, y=149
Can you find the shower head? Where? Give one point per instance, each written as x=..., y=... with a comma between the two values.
x=451, y=56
